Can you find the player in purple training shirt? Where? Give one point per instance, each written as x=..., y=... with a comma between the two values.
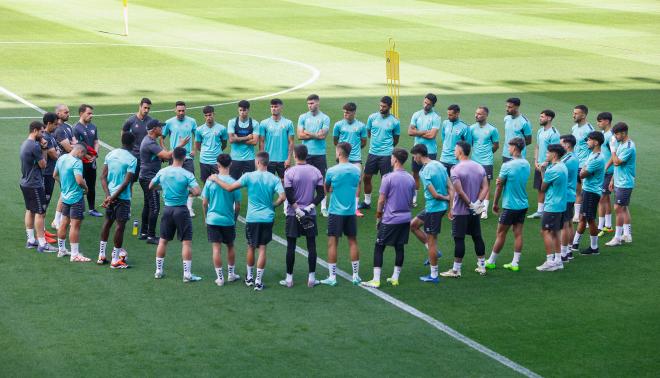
x=393, y=215
x=300, y=183
x=471, y=188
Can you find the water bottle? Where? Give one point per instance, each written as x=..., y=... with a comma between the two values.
x=135, y=227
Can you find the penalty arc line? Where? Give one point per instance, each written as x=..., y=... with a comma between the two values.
x=384, y=296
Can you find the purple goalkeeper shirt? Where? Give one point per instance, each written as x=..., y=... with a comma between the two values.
x=398, y=188
x=304, y=179
x=470, y=175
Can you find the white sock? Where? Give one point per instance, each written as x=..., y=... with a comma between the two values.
x=578, y=207
x=30, y=234
x=457, y=266
x=427, y=246
x=576, y=239
x=618, y=233
x=102, y=246
x=516, y=259
x=608, y=220
x=58, y=217
x=323, y=203
x=367, y=198
x=160, y=264
x=357, y=202
x=564, y=250
x=601, y=222
x=627, y=229
x=286, y=206
x=248, y=272
x=481, y=262
x=332, y=271
x=42, y=241
x=594, y=242
x=558, y=258
x=189, y=203
x=260, y=275
x=493, y=257
x=289, y=277
x=311, y=276
x=61, y=244
x=376, y=274
x=415, y=198
x=187, y=265
x=75, y=249
x=486, y=203
x=550, y=257
x=356, y=268
x=396, y=273
x=230, y=270
x=434, y=271
x=115, y=255
x=540, y=207
x=218, y=273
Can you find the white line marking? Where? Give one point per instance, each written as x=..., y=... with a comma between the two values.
x=316, y=73
x=386, y=297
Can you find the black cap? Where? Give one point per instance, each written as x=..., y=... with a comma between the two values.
x=153, y=123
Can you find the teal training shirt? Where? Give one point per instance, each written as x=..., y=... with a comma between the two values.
x=177, y=130
x=516, y=127
x=581, y=133
x=544, y=138
x=452, y=133
x=572, y=165
x=515, y=172
x=276, y=137
x=606, y=151
x=120, y=162
x=261, y=187
x=482, y=138
x=383, y=130
x=176, y=183
x=313, y=124
x=343, y=178
x=555, y=176
x=595, y=165
x=68, y=167
x=434, y=174
x=242, y=151
x=624, y=174
x=352, y=133
x=424, y=122
x=220, y=211
x=211, y=142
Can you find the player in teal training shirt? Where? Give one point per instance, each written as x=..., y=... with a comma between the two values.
x=546, y=136
x=554, y=187
x=572, y=165
x=485, y=141
x=516, y=125
x=276, y=138
x=210, y=140
x=624, y=158
x=453, y=130
x=604, y=123
x=243, y=135
x=580, y=130
x=424, y=126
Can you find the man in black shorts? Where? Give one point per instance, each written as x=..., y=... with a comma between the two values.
x=33, y=156
x=555, y=179
x=243, y=136
x=116, y=179
x=52, y=154
x=393, y=217
x=65, y=140
x=471, y=188
x=177, y=184
x=137, y=125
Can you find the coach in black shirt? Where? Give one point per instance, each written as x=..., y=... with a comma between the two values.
x=85, y=131
x=137, y=125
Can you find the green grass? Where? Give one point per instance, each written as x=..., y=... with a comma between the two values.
x=597, y=317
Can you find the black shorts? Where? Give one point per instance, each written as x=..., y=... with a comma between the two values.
x=319, y=162
x=74, y=210
x=606, y=183
x=393, y=234
x=538, y=179
x=589, y=208
x=35, y=200
x=579, y=180
x=377, y=163
x=448, y=167
x=276, y=168
x=188, y=165
x=240, y=167
x=622, y=196
x=258, y=233
x=552, y=221
x=221, y=234
x=432, y=221
x=510, y=217
x=206, y=170
x=418, y=167
x=505, y=159
x=489, y=172
x=293, y=228
x=176, y=219
x=49, y=186
x=466, y=225
x=120, y=210
x=569, y=213
x=339, y=225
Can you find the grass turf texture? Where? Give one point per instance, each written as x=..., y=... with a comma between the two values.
x=598, y=316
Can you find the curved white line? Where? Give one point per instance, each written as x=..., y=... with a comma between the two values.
x=313, y=70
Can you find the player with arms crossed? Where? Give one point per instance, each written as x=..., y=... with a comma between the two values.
x=624, y=158
x=580, y=130
x=512, y=187
x=341, y=182
x=572, y=164
x=554, y=207
x=221, y=208
x=546, y=136
x=516, y=125
x=53, y=152
x=116, y=179
x=424, y=126
x=604, y=123
x=453, y=130
x=243, y=136
x=485, y=141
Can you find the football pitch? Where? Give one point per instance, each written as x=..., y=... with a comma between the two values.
x=597, y=317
